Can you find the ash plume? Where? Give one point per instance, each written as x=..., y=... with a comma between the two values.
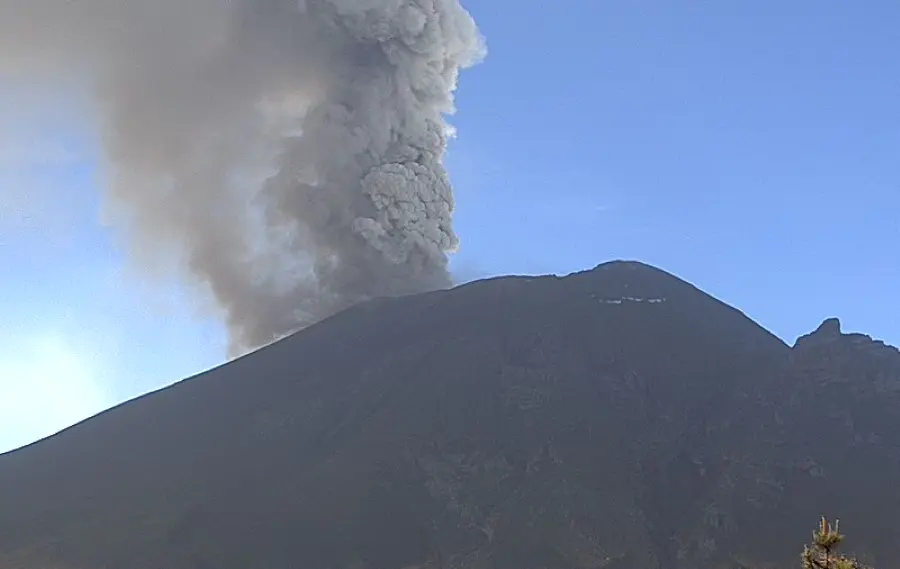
x=287, y=154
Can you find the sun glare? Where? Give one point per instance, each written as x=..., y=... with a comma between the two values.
x=46, y=386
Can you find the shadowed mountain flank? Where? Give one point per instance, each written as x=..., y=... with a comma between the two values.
x=618, y=418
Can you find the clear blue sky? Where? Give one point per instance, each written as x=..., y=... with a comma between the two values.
x=751, y=147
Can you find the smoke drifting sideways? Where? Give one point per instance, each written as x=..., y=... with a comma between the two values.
x=287, y=154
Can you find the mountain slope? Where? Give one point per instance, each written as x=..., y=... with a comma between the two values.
x=614, y=418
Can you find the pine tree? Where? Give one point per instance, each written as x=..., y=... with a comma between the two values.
x=822, y=552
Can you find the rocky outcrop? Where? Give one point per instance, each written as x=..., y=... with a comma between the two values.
x=829, y=355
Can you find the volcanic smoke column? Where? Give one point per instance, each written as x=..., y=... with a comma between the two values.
x=287, y=154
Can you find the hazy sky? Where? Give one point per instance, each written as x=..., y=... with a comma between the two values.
x=751, y=147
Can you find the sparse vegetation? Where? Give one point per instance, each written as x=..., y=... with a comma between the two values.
x=822, y=552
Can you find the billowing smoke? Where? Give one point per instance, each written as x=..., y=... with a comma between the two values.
x=288, y=153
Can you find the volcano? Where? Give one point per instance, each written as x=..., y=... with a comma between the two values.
x=615, y=418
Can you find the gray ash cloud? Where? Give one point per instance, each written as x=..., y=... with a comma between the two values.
x=287, y=154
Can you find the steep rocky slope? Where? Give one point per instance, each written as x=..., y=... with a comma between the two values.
x=614, y=418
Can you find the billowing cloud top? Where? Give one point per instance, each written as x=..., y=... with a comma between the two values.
x=287, y=153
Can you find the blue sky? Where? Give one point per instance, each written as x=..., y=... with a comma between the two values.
x=750, y=147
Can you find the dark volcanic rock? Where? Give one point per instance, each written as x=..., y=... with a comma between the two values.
x=614, y=418
x=828, y=331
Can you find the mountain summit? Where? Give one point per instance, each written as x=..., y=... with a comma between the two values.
x=614, y=418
